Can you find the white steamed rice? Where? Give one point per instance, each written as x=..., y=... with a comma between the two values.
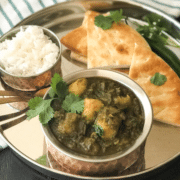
x=29, y=53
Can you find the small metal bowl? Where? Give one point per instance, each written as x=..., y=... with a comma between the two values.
x=76, y=163
x=37, y=81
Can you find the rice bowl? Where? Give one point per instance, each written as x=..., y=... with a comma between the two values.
x=34, y=56
x=29, y=57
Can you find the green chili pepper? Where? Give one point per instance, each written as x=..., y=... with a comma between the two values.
x=166, y=54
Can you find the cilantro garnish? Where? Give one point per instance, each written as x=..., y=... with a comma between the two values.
x=98, y=129
x=59, y=90
x=55, y=80
x=117, y=15
x=51, y=93
x=42, y=160
x=154, y=30
x=105, y=22
x=73, y=103
x=155, y=33
x=41, y=107
x=58, y=86
x=158, y=79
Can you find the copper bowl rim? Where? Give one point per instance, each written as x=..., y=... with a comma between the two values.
x=123, y=79
x=16, y=30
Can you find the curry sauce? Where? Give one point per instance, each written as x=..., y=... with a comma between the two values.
x=111, y=121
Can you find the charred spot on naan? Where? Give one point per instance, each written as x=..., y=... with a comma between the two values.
x=122, y=49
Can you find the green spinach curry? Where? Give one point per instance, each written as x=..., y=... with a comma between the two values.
x=111, y=121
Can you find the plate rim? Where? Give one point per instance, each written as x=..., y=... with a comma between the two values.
x=55, y=172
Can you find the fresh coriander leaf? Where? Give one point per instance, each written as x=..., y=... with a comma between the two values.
x=46, y=115
x=98, y=129
x=58, y=86
x=152, y=32
x=51, y=93
x=34, y=102
x=42, y=160
x=73, y=103
x=77, y=107
x=70, y=98
x=104, y=22
x=157, y=20
x=117, y=15
x=55, y=79
x=62, y=89
x=42, y=108
x=158, y=79
x=31, y=113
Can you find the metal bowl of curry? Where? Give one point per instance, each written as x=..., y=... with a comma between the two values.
x=107, y=135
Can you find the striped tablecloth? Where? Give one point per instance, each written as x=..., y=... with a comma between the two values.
x=13, y=11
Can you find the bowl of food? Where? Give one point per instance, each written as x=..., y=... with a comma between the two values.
x=29, y=56
x=100, y=125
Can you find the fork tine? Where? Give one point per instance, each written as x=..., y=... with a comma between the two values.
x=13, y=123
x=13, y=99
x=12, y=115
x=7, y=93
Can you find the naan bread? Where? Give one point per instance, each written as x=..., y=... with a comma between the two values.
x=112, y=47
x=76, y=40
x=78, y=57
x=109, y=48
x=165, y=99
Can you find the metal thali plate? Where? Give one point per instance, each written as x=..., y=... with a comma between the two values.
x=26, y=138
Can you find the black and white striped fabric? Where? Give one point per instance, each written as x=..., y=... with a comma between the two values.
x=170, y=7
x=13, y=11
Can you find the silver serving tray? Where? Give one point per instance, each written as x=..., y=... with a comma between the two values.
x=26, y=138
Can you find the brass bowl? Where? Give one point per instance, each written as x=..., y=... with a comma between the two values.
x=37, y=81
x=76, y=163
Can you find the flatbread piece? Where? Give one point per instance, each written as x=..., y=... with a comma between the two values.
x=165, y=99
x=76, y=40
x=112, y=47
x=98, y=48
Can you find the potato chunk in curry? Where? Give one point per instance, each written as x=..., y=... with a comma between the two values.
x=69, y=125
x=109, y=122
x=78, y=87
x=90, y=107
x=122, y=102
